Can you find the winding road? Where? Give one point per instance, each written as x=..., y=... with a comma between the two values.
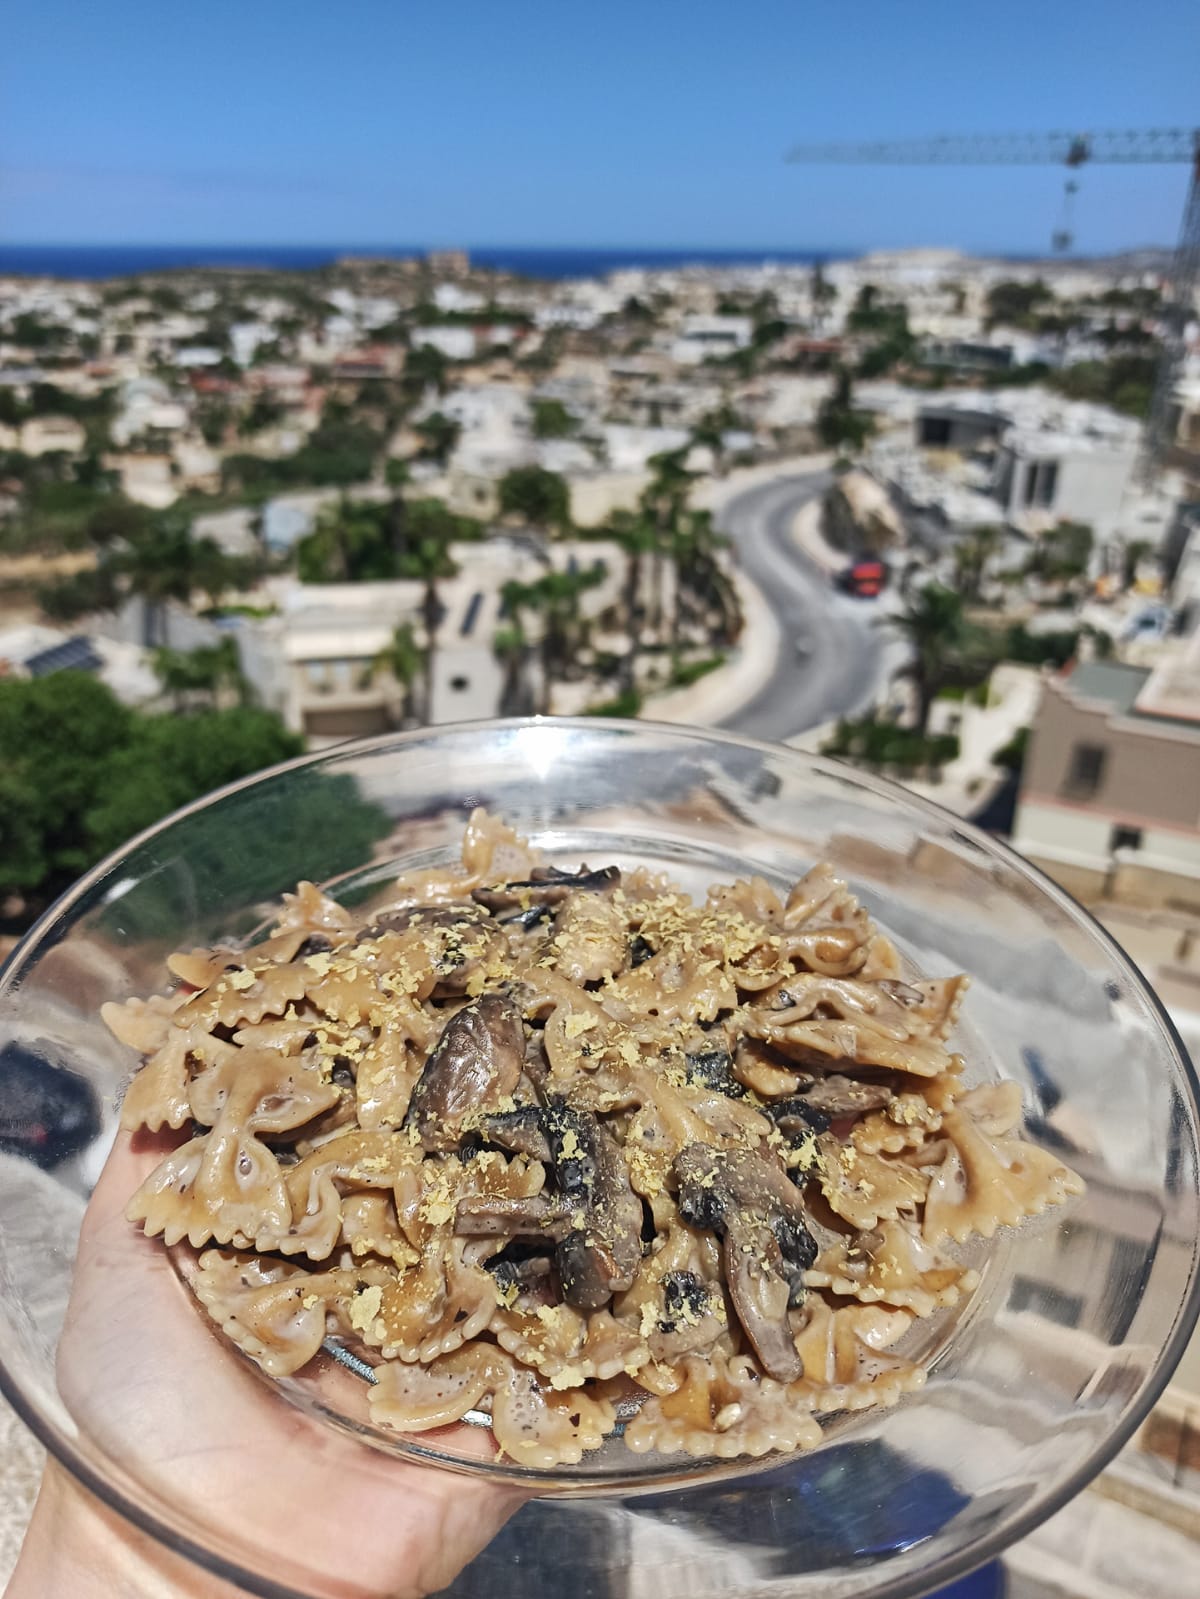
x=845, y=655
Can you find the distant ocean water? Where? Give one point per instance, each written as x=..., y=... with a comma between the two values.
x=121, y=260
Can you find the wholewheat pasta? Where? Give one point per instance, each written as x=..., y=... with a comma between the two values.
x=576, y=1153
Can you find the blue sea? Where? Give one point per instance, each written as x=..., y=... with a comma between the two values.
x=127, y=260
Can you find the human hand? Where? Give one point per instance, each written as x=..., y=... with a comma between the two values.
x=157, y=1390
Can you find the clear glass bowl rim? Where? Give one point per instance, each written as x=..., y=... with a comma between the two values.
x=941, y=1572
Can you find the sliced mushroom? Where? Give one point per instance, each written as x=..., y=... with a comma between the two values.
x=844, y=1096
x=748, y=1200
x=488, y=1216
x=403, y=917
x=520, y=1132
x=761, y=1292
x=599, y=1255
x=595, y=1218
x=545, y=887
x=475, y=1064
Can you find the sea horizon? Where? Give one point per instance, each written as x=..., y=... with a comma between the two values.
x=98, y=261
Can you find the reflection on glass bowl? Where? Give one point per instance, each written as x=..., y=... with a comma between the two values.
x=1033, y=1384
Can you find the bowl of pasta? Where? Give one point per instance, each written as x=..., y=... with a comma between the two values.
x=602, y=1111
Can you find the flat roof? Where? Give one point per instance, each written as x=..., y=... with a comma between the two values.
x=1118, y=686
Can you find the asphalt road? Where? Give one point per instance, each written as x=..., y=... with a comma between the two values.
x=845, y=654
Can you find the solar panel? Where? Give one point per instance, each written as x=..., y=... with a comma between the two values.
x=77, y=654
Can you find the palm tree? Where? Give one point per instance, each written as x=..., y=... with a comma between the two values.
x=663, y=502
x=511, y=649
x=971, y=556
x=934, y=626
x=157, y=563
x=554, y=599
x=699, y=574
x=202, y=673
x=637, y=538
x=429, y=560
x=402, y=658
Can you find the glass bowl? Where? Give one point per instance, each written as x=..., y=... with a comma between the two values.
x=1033, y=1385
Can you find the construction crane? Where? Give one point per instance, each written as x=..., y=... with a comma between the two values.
x=1072, y=150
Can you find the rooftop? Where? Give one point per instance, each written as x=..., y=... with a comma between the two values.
x=1168, y=692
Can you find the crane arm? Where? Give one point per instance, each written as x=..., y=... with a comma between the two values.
x=1018, y=149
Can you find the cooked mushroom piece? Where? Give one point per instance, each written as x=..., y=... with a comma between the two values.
x=520, y=1132
x=462, y=938
x=600, y=1253
x=476, y=1063
x=528, y=1272
x=713, y=1068
x=797, y=1116
x=843, y=1096
x=545, y=888
x=539, y=1216
x=750, y=1202
x=594, y=1217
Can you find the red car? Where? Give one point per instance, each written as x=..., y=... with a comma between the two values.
x=865, y=579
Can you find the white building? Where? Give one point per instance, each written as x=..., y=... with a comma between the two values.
x=315, y=660
x=46, y=435
x=702, y=337
x=1047, y=477
x=453, y=297
x=630, y=449
x=146, y=405
x=1043, y=460
x=456, y=343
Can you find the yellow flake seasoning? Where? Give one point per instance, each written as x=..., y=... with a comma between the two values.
x=526, y=1158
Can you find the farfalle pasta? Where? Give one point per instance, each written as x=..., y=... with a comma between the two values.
x=572, y=1153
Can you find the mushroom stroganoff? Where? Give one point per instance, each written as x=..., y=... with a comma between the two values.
x=562, y=1145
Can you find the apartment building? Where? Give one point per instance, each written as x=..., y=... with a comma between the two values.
x=1110, y=797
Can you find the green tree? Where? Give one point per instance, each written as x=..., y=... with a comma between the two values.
x=428, y=559
x=701, y=583
x=1012, y=302
x=159, y=560
x=155, y=563
x=638, y=538
x=935, y=629
x=663, y=503
x=553, y=599
x=424, y=368
x=56, y=735
x=971, y=556
x=839, y=425
x=440, y=434
x=511, y=649
x=349, y=544
x=403, y=660
x=552, y=420
x=202, y=674
x=265, y=412
x=1062, y=553
x=537, y=496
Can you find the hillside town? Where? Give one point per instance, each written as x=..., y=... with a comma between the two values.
x=896, y=509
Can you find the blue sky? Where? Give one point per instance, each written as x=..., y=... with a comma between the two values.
x=539, y=122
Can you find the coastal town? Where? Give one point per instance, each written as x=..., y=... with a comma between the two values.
x=897, y=509
x=902, y=511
